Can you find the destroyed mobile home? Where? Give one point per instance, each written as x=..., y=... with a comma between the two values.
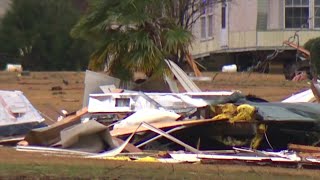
x=194, y=126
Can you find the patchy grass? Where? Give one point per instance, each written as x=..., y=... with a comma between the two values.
x=23, y=165
x=112, y=170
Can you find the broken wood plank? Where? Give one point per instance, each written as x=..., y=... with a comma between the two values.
x=305, y=52
x=193, y=65
x=125, y=131
x=168, y=136
x=305, y=155
x=129, y=147
x=51, y=134
x=12, y=139
x=304, y=148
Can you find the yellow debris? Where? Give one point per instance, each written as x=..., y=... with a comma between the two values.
x=261, y=130
x=228, y=111
x=245, y=112
x=118, y=158
x=222, y=116
x=147, y=159
x=126, y=158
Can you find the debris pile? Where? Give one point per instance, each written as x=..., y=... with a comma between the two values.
x=193, y=126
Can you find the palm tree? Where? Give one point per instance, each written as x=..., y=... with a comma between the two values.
x=132, y=35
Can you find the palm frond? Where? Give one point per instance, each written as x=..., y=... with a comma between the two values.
x=137, y=34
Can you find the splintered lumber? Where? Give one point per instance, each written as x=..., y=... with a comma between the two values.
x=160, y=125
x=304, y=148
x=306, y=155
x=51, y=134
x=305, y=52
x=193, y=65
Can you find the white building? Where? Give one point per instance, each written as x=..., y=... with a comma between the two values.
x=239, y=31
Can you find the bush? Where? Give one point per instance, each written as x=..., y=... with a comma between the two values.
x=313, y=45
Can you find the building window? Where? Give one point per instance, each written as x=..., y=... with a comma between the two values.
x=223, y=16
x=317, y=13
x=122, y=102
x=206, y=19
x=210, y=26
x=203, y=27
x=296, y=13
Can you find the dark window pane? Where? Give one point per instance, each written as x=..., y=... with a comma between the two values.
x=296, y=12
x=305, y=2
x=288, y=2
x=223, y=17
x=296, y=23
x=317, y=22
x=210, y=6
x=297, y=2
x=210, y=25
x=203, y=7
x=304, y=12
x=317, y=2
x=289, y=12
x=296, y=17
x=317, y=11
x=203, y=27
x=304, y=23
x=288, y=23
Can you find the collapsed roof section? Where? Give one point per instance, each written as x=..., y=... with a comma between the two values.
x=17, y=115
x=16, y=109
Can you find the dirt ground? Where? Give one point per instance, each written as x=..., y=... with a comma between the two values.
x=38, y=88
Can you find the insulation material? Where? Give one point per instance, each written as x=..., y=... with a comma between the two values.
x=243, y=112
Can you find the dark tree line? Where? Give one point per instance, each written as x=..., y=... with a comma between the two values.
x=37, y=35
x=137, y=34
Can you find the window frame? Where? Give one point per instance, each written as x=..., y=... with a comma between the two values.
x=301, y=5
x=223, y=16
x=207, y=15
x=314, y=14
